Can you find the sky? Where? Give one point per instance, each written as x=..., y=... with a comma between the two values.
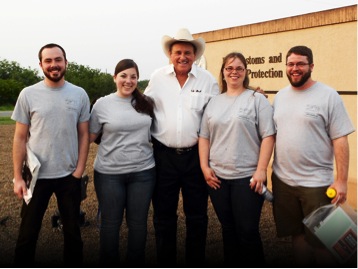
x=98, y=34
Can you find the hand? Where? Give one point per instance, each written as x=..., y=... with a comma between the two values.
x=258, y=89
x=20, y=188
x=256, y=185
x=211, y=178
x=341, y=192
x=258, y=179
x=76, y=177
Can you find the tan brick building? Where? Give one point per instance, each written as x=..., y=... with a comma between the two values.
x=332, y=36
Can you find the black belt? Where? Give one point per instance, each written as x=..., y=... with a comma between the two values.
x=178, y=151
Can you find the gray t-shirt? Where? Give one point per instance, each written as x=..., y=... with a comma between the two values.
x=307, y=121
x=125, y=145
x=235, y=126
x=52, y=115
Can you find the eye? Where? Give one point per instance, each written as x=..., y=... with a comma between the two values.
x=238, y=69
x=299, y=64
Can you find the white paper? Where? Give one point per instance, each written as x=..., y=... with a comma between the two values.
x=28, y=196
x=34, y=166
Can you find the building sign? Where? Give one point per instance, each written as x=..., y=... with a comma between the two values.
x=257, y=72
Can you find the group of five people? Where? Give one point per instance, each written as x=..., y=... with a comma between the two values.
x=185, y=135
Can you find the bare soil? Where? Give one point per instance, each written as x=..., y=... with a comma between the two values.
x=50, y=244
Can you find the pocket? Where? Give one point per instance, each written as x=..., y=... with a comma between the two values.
x=197, y=101
x=77, y=178
x=84, y=183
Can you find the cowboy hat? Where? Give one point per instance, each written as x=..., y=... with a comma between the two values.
x=185, y=36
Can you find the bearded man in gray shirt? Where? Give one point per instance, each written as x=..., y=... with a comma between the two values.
x=52, y=118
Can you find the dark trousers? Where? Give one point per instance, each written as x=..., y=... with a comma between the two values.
x=68, y=194
x=238, y=208
x=179, y=172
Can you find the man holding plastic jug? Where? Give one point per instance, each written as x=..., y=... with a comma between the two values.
x=312, y=127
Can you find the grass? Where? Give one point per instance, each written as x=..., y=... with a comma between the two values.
x=6, y=121
x=6, y=108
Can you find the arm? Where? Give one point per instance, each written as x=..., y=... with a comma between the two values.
x=209, y=174
x=18, y=156
x=258, y=89
x=93, y=137
x=83, y=148
x=260, y=174
x=341, y=155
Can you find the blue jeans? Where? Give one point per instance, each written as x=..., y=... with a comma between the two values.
x=238, y=208
x=131, y=192
x=68, y=195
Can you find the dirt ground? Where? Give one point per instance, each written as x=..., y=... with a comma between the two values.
x=50, y=243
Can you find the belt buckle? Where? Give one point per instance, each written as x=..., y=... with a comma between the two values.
x=179, y=151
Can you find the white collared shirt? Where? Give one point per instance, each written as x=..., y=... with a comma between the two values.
x=178, y=111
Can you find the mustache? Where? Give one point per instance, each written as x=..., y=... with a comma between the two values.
x=55, y=68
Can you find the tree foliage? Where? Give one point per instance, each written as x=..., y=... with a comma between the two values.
x=142, y=85
x=13, y=78
x=95, y=82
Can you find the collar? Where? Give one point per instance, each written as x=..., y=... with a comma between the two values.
x=193, y=71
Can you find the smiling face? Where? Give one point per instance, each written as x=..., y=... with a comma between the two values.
x=126, y=82
x=53, y=65
x=182, y=56
x=298, y=70
x=234, y=73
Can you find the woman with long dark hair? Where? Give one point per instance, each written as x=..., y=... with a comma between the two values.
x=124, y=168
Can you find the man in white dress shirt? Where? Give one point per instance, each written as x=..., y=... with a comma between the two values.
x=181, y=91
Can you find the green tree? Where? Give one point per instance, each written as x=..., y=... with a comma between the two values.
x=95, y=82
x=9, y=91
x=142, y=84
x=13, y=78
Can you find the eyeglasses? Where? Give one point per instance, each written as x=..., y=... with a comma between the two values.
x=299, y=64
x=237, y=69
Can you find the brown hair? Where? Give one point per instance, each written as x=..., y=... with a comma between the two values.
x=50, y=46
x=301, y=50
x=232, y=55
x=140, y=102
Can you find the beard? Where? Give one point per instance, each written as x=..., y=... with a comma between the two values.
x=57, y=77
x=302, y=81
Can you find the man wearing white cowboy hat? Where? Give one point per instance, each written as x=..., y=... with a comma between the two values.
x=181, y=91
